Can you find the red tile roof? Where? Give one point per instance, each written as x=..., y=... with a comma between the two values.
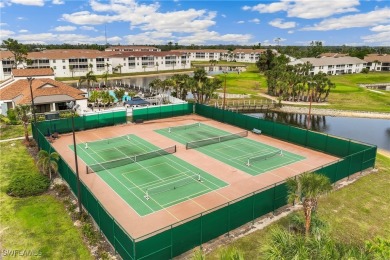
x=19, y=91
x=377, y=57
x=32, y=72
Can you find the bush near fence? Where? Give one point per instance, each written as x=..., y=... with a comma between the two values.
x=182, y=236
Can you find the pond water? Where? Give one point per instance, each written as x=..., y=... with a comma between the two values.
x=372, y=131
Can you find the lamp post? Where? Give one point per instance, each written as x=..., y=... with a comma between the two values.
x=73, y=109
x=224, y=91
x=30, y=80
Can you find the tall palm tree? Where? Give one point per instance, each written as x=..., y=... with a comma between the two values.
x=21, y=112
x=71, y=68
x=48, y=162
x=107, y=65
x=119, y=67
x=90, y=65
x=89, y=77
x=157, y=85
x=306, y=189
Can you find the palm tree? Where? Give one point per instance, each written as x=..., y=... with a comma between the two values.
x=105, y=77
x=90, y=65
x=48, y=162
x=107, y=65
x=157, y=65
x=119, y=67
x=376, y=63
x=21, y=112
x=71, y=68
x=89, y=77
x=306, y=189
x=144, y=67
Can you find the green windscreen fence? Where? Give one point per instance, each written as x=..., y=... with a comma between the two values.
x=180, y=237
x=84, y=122
x=163, y=111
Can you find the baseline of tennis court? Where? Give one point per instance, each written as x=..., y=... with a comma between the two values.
x=235, y=150
x=150, y=184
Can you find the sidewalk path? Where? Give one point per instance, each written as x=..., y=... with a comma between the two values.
x=13, y=139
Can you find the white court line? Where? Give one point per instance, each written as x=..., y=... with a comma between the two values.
x=216, y=190
x=142, y=191
x=120, y=183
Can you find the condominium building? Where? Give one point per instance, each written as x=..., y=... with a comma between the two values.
x=246, y=55
x=128, y=48
x=333, y=66
x=205, y=54
x=378, y=62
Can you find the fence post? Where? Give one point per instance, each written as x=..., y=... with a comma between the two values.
x=228, y=205
x=253, y=208
x=171, y=243
x=273, y=201
x=201, y=230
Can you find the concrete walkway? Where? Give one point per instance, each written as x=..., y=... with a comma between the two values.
x=13, y=139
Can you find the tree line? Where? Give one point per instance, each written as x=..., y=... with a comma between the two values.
x=293, y=82
x=201, y=86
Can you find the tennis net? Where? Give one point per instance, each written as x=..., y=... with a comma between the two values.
x=263, y=157
x=172, y=185
x=182, y=127
x=130, y=159
x=214, y=140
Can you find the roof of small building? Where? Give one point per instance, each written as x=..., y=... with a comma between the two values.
x=19, y=91
x=249, y=51
x=330, y=61
x=202, y=50
x=136, y=101
x=32, y=72
x=333, y=54
x=144, y=53
x=377, y=57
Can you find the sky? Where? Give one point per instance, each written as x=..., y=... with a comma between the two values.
x=201, y=22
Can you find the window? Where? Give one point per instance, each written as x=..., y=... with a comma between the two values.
x=64, y=67
x=55, y=67
x=99, y=59
x=63, y=61
x=108, y=59
x=54, y=61
x=90, y=59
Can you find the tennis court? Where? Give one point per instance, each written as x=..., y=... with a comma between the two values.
x=146, y=177
x=233, y=149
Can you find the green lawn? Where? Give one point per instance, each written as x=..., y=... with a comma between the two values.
x=12, y=131
x=349, y=96
x=40, y=223
x=356, y=213
x=346, y=96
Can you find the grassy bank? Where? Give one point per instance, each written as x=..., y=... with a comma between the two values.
x=40, y=223
x=12, y=131
x=356, y=213
x=346, y=96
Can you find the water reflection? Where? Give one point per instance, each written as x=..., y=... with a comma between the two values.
x=372, y=131
x=318, y=123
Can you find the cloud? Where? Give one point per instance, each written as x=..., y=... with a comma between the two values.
x=307, y=9
x=372, y=18
x=223, y=15
x=290, y=32
x=48, y=38
x=67, y=28
x=381, y=28
x=143, y=16
x=4, y=34
x=3, y=24
x=382, y=38
x=58, y=2
x=21, y=18
x=241, y=22
x=215, y=37
x=28, y=2
x=279, y=24
x=255, y=20
x=23, y=31
x=88, y=28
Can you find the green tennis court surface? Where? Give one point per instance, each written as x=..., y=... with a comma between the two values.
x=150, y=183
x=235, y=150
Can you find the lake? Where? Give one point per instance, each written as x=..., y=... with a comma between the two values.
x=372, y=131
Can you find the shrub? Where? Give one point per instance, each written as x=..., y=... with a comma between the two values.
x=12, y=116
x=24, y=185
x=365, y=70
x=62, y=190
x=92, y=235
